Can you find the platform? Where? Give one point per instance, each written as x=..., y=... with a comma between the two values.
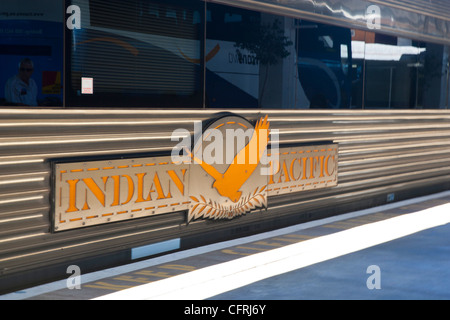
x=397, y=251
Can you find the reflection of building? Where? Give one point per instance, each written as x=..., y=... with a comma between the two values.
x=383, y=52
x=398, y=72
x=329, y=64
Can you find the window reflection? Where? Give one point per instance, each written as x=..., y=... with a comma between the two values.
x=139, y=53
x=194, y=54
x=399, y=73
x=31, y=53
x=324, y=58
x=319, y=66
x=255, y=60
x=232, y=75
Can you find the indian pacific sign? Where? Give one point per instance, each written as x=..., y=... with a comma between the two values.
x=231, y=169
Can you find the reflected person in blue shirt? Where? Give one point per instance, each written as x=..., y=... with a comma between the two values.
x=21, y=89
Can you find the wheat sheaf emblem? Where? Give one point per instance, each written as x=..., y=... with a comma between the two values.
x=213, y=210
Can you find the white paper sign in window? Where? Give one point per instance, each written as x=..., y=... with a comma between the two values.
x=87, y=85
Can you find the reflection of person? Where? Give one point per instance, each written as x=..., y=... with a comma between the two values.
x=21, y=89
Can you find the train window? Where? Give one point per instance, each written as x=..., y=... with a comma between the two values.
x=401, y=73
x=316, y=65
x=249, y=58
x=230, y=81
x=261, y=60
x=31, y=53
x=138, y=53
x=196, y=53
x=324, y=55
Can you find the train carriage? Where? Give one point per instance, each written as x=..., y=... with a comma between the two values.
x=117, y=117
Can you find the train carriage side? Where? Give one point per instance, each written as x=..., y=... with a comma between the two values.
x=355, y=95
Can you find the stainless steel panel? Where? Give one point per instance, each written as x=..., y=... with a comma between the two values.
x=380, y=152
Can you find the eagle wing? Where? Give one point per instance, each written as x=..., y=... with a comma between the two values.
x=248, y=158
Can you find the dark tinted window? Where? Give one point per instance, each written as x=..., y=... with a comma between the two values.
x=150, y=53
x=324, y=56
x=250, y=60
x=31, y=53
x=194, y=54
x=400, y=73
x=138, y=53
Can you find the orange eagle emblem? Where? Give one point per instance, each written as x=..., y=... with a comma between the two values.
x=229, y=183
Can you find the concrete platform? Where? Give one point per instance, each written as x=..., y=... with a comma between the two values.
x=413, y=267
x=397, y=251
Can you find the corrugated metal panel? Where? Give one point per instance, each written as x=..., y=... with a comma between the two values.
x=380, y=152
